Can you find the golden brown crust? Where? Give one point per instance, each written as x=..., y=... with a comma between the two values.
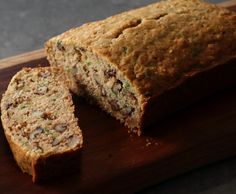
x=146, y=43
x=20, y=155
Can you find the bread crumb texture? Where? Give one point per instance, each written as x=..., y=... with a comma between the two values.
x=38, y=117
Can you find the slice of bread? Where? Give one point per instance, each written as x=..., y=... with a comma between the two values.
x=39, y=122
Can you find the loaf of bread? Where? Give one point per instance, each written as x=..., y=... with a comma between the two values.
x=137, y=65
x=39, y=123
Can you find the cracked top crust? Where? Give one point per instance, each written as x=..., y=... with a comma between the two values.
x=160, y=45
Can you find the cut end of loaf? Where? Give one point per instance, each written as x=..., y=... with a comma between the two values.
x=99, y=80
x=38, y=118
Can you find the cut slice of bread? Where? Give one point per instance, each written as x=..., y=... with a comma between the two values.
x=39, y=122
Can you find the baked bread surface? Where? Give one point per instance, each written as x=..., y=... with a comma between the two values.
x=39, y=122
x=155, y=48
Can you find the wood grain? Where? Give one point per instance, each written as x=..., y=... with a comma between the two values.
x=114, y=161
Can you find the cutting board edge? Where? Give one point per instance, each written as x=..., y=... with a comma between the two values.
x=227, y=4
x=22, y=58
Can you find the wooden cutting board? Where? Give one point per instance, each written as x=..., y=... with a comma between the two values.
x=114, y=161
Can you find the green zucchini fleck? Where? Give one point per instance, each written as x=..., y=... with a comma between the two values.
x=88, y=63
x=48, y=132
x=125, y=50
x=22, y=106
x=60, y=46
x=114, y=93
x=126, y=85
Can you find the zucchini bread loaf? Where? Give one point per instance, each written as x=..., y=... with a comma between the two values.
x=39, y=123
x=137, y=65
